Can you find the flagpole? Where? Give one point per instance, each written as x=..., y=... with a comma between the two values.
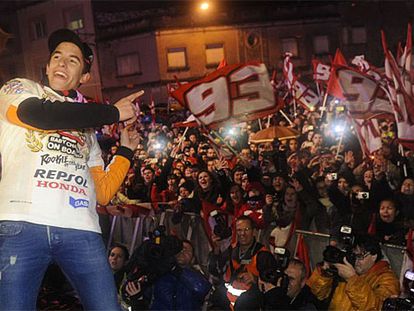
x=339, y=144
x=325, y=99
x=294, y=108
x=224, y=142
x=285, y=116
x=260, y=124
x=298, y=236
x=182, y=137
x=318, y=90
x=401, y=150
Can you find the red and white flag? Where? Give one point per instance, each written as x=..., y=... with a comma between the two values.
x=364, y=96
x=365, y=67
x=300, y=92
x=191, y=121
x=400, y=89
x=321, y=71
x=232, y=94
x=152, y=110
x=368, y=134
x=288, y=71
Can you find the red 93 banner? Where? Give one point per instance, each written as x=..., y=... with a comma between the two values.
x=234, y=93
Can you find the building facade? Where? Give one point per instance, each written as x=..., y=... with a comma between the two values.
x=147, y=44
x=34, y=22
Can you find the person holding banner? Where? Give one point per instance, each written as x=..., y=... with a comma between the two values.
x=53, y=176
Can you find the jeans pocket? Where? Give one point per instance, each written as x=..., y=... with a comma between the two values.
x=10, y=228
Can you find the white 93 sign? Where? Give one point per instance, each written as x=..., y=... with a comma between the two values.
x=241, y=92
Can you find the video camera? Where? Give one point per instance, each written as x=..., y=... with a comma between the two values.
x=221, y=229
x=402, y=304
x=272, y=267
x=154, y=258
x=333, y=254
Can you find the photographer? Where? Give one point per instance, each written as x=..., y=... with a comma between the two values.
x=293, y=295
x=181, y=288
x=362, y=286
x=237, y=269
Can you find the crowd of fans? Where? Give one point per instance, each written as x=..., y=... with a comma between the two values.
x=302, y=182
x=317, y=181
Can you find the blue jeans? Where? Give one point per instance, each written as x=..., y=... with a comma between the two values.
x=27, y=249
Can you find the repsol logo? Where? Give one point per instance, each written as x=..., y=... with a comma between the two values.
x=78, y=203
x=60, y=175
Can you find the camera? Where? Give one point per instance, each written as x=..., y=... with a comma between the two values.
x=362, y=195
x=154, y=258
x=272, y=267
x=255, y=202
x=333, y=254
x=221, y=229
x=332, y=176
x=158, y=145
x=402, y=304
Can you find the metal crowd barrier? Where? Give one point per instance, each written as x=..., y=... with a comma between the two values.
x=132, y=231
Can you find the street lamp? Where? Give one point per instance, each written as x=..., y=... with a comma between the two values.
x=204, y=6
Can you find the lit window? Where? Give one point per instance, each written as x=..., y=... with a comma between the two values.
x=359, y=35
x=214, y=53
x=321, y=44
x=128, y=64
x=176, y=58
x=290, y=45
x=74, y=18
x=39, y=29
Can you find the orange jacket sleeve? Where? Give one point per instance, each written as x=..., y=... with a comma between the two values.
x=320, y=286
x=107, y=181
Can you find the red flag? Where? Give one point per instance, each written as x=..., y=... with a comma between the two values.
x=302, y=254
x=333, y=84
x=222, y=64
x=232, y=94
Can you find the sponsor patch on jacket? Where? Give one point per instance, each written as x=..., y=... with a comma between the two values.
x=78, y=203
x=13, y=87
